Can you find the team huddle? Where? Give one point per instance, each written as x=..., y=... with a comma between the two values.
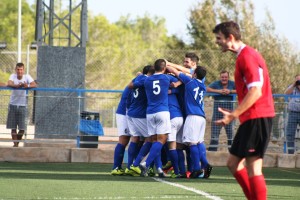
x=157, y=120
x=162, y=112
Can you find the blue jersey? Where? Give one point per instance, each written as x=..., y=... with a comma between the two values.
x=194, y=94
x=157, y=87
x=138, y=106
x=174, y=106
x=125, y=101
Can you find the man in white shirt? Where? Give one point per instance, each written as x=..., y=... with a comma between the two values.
x=18, y=103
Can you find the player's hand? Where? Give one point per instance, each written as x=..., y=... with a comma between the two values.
x=227, y=117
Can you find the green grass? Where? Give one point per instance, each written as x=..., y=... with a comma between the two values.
x=93, y=181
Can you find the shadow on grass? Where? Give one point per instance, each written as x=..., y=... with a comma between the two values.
x=101, y=172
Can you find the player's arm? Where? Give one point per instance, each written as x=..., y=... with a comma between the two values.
x=254, y=93
x=173, y=70
x=175, y=84
x=179, y=67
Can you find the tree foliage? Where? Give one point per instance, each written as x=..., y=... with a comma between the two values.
x=116, y=51
x=281, y=57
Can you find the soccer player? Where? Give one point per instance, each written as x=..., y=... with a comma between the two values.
x=137, y=121
x=123, y=132
x=255, y=111
x=176, y=118
x=158, y=115
x=194, y=126
x=189, y=64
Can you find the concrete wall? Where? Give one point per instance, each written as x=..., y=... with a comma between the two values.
x=59, y=67
x=105, y=154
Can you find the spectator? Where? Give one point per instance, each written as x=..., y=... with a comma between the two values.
x=18, y=104
x=294, y=114
x=224, y=87
x=255, y=111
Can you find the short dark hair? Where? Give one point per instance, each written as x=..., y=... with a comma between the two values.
x=19, y=65
x=192, y=56
x=147, y=68
x=224, y=71
x=228, y=28
x=159, y=65
x=200, y=72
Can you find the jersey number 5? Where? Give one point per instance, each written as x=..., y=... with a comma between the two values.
x=156, y=86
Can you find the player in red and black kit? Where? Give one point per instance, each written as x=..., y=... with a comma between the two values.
x=255, y=111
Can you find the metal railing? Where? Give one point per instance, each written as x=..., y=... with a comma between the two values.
x=54, y=115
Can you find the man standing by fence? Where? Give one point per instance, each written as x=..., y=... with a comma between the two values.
x=294, y=114
x=255, y=111
x=224, y=88
x=17, y=109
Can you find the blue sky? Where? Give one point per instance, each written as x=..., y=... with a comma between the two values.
x=285, y=13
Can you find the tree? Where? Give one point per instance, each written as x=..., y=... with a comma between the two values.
x=281, y=57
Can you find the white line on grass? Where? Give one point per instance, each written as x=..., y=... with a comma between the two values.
x=209, y=196
x=289, y=171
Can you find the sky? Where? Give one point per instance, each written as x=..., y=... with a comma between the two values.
x=285, y=13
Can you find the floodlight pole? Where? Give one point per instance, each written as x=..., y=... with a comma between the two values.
x=20, y=31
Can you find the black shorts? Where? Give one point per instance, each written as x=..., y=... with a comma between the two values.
x=252, y=138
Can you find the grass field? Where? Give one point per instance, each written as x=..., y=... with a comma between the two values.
x=93, y=181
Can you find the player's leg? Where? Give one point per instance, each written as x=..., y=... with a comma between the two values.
x=158, y=124
x=260, y=139
x=239, y=171
x=256, y=178
x=191, y=135
x=176, y=125
x=119, y=155
x=154, y=153
x=142, y=129
x=143, y=152
x=235, y=162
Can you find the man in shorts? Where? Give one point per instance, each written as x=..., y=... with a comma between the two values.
x=255, y=111
x=17, y=109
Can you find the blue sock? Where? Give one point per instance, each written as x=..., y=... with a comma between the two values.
x=158, y=163
x=195, y=157
x=181, y=160
x=143, y=152
x=188, y=159
x=152, y=165
x=131, y=152
x=174, y=159
x=154, y=152
x=137, y=149
x=164, y=154
x=202, y=152
x=118, y=155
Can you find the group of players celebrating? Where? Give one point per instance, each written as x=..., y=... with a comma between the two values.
x=156, y=120
x=161, y=113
